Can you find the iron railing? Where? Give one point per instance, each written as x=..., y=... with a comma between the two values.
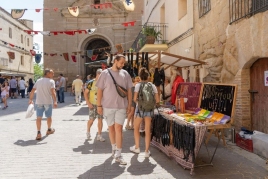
x=239, y=9
x=141, y=38
x=204, y=7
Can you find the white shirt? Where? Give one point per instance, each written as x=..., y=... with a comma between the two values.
x=22, y=84
x=43, y=88
x=4, y=91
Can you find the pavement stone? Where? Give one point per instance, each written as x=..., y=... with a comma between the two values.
x=67, y=153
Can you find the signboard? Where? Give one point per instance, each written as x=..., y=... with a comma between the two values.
x=265, y=78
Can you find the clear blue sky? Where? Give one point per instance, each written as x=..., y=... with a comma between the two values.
x=30, y=14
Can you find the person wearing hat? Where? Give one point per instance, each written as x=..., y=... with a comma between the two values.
x=77, y=88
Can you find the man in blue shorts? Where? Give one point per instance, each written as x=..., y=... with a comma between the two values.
x=45, y=98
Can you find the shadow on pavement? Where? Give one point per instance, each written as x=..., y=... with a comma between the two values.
x=109, y=169
x=84, y=149
x=82, y=111
x=25, y=143
x=140, y=168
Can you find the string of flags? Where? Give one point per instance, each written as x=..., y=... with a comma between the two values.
x=74, y=11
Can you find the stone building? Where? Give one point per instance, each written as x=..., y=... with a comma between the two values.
x=109, y=32
x=14, y=39
x=231, y=37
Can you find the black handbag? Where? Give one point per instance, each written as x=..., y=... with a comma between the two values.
x=120, y=90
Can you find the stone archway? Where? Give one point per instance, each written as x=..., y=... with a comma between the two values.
x=93, y=42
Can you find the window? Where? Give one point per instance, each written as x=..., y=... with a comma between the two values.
x=182, y=8
x=28, y=42
x=96, y=2
x=10, y=33
x=204, y=7
x=22, y=60
x=21, y=38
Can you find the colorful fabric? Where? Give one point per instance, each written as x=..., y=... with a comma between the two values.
x=73, y=58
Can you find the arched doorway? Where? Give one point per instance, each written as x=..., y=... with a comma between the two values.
x=259, y=95
x=100, y=48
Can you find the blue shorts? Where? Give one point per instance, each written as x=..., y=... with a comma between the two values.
x=41, y=108
x=142, y=114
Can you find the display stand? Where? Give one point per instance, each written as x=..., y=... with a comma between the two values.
x=215, y=97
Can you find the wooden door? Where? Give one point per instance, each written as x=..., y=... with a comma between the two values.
x=259, y=95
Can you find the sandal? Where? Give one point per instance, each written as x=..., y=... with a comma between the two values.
x=38, y=137
x=50, y=132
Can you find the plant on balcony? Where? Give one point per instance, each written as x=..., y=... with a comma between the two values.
x=151, y=34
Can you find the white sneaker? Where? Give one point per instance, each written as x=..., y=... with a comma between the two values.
x=100, y=138
x=133, y=149
x=147, y=154
x=120, y=160
x=88, y=136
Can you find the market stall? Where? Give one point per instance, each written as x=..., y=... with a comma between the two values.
x=180, y=135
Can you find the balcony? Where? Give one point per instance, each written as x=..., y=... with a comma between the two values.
x=140, y=40
x=239, y=9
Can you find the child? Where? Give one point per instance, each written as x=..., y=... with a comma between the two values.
x=4, y=93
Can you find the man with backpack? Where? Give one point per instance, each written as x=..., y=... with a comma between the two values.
x=90, y=95
x=145, y=94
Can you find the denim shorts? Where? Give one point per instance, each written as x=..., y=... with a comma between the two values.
x=142, y=114
x=41, y=108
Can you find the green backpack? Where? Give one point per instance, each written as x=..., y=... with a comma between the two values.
x=146, y=99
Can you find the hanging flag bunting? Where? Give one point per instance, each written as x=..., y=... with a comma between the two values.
x=11, y=45
x=89, y=53
x=33, y=52
x=45, y=33
x=131, y=23
x=119, y=48
x=38, y=58
x=90, y=31
x=66, y=56
x=129, y=5
x=94, y=57
x=69, y=32
x=73, y=58
x=75, y=53
x=74, y=11
x=11, y=55
x=38, y=10
x=56, y=9
x=17, y=13
x=53, y=54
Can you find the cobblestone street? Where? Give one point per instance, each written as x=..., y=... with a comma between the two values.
x=67, y=153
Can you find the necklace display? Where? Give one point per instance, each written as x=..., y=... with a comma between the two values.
x=218, y=98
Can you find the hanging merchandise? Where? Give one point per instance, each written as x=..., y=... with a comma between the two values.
x=157, y=79
x=74, y=11
x=38, y=58
x=11, y=55
x=162, y=77
x=174, y=88
x=142, y=59
x=89, y=53
x=119, y=48
x=73, y=58
x=17, y=13
x=136, y=68
x=66, y=56
x=146, y=64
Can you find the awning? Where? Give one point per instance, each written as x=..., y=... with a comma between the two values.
x=96, y=63
x=12, y=74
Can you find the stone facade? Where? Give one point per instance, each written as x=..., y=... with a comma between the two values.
x=110, y=30
x=12, y=33
x=230, y=50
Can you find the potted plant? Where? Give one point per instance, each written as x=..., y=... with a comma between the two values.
x=151, y=34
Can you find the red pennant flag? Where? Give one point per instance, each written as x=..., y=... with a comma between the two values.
x=53, y=54
x=66, y=56
x=11, y=45
x=131, y=23
x=73, y=58
x=11, y=55
x=94, y=57
x=33, y=52
x=55, y=32
x=56, y=9
x=38, y=10
x=45, y=9
x=107, y=5
x=28, y=31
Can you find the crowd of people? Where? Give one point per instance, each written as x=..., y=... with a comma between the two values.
x=111, y=95
x=13, y=88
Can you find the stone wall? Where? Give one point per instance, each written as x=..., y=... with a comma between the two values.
x=108, y=29
x=230, y=50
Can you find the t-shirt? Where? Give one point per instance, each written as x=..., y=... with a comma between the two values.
x=22, y=84
x=77, y=85
x=5, y=91
x=43, y=90
x=13, y=83
x=138, y=85
x=93, y=89
x=62, y=81
x=111, y=98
